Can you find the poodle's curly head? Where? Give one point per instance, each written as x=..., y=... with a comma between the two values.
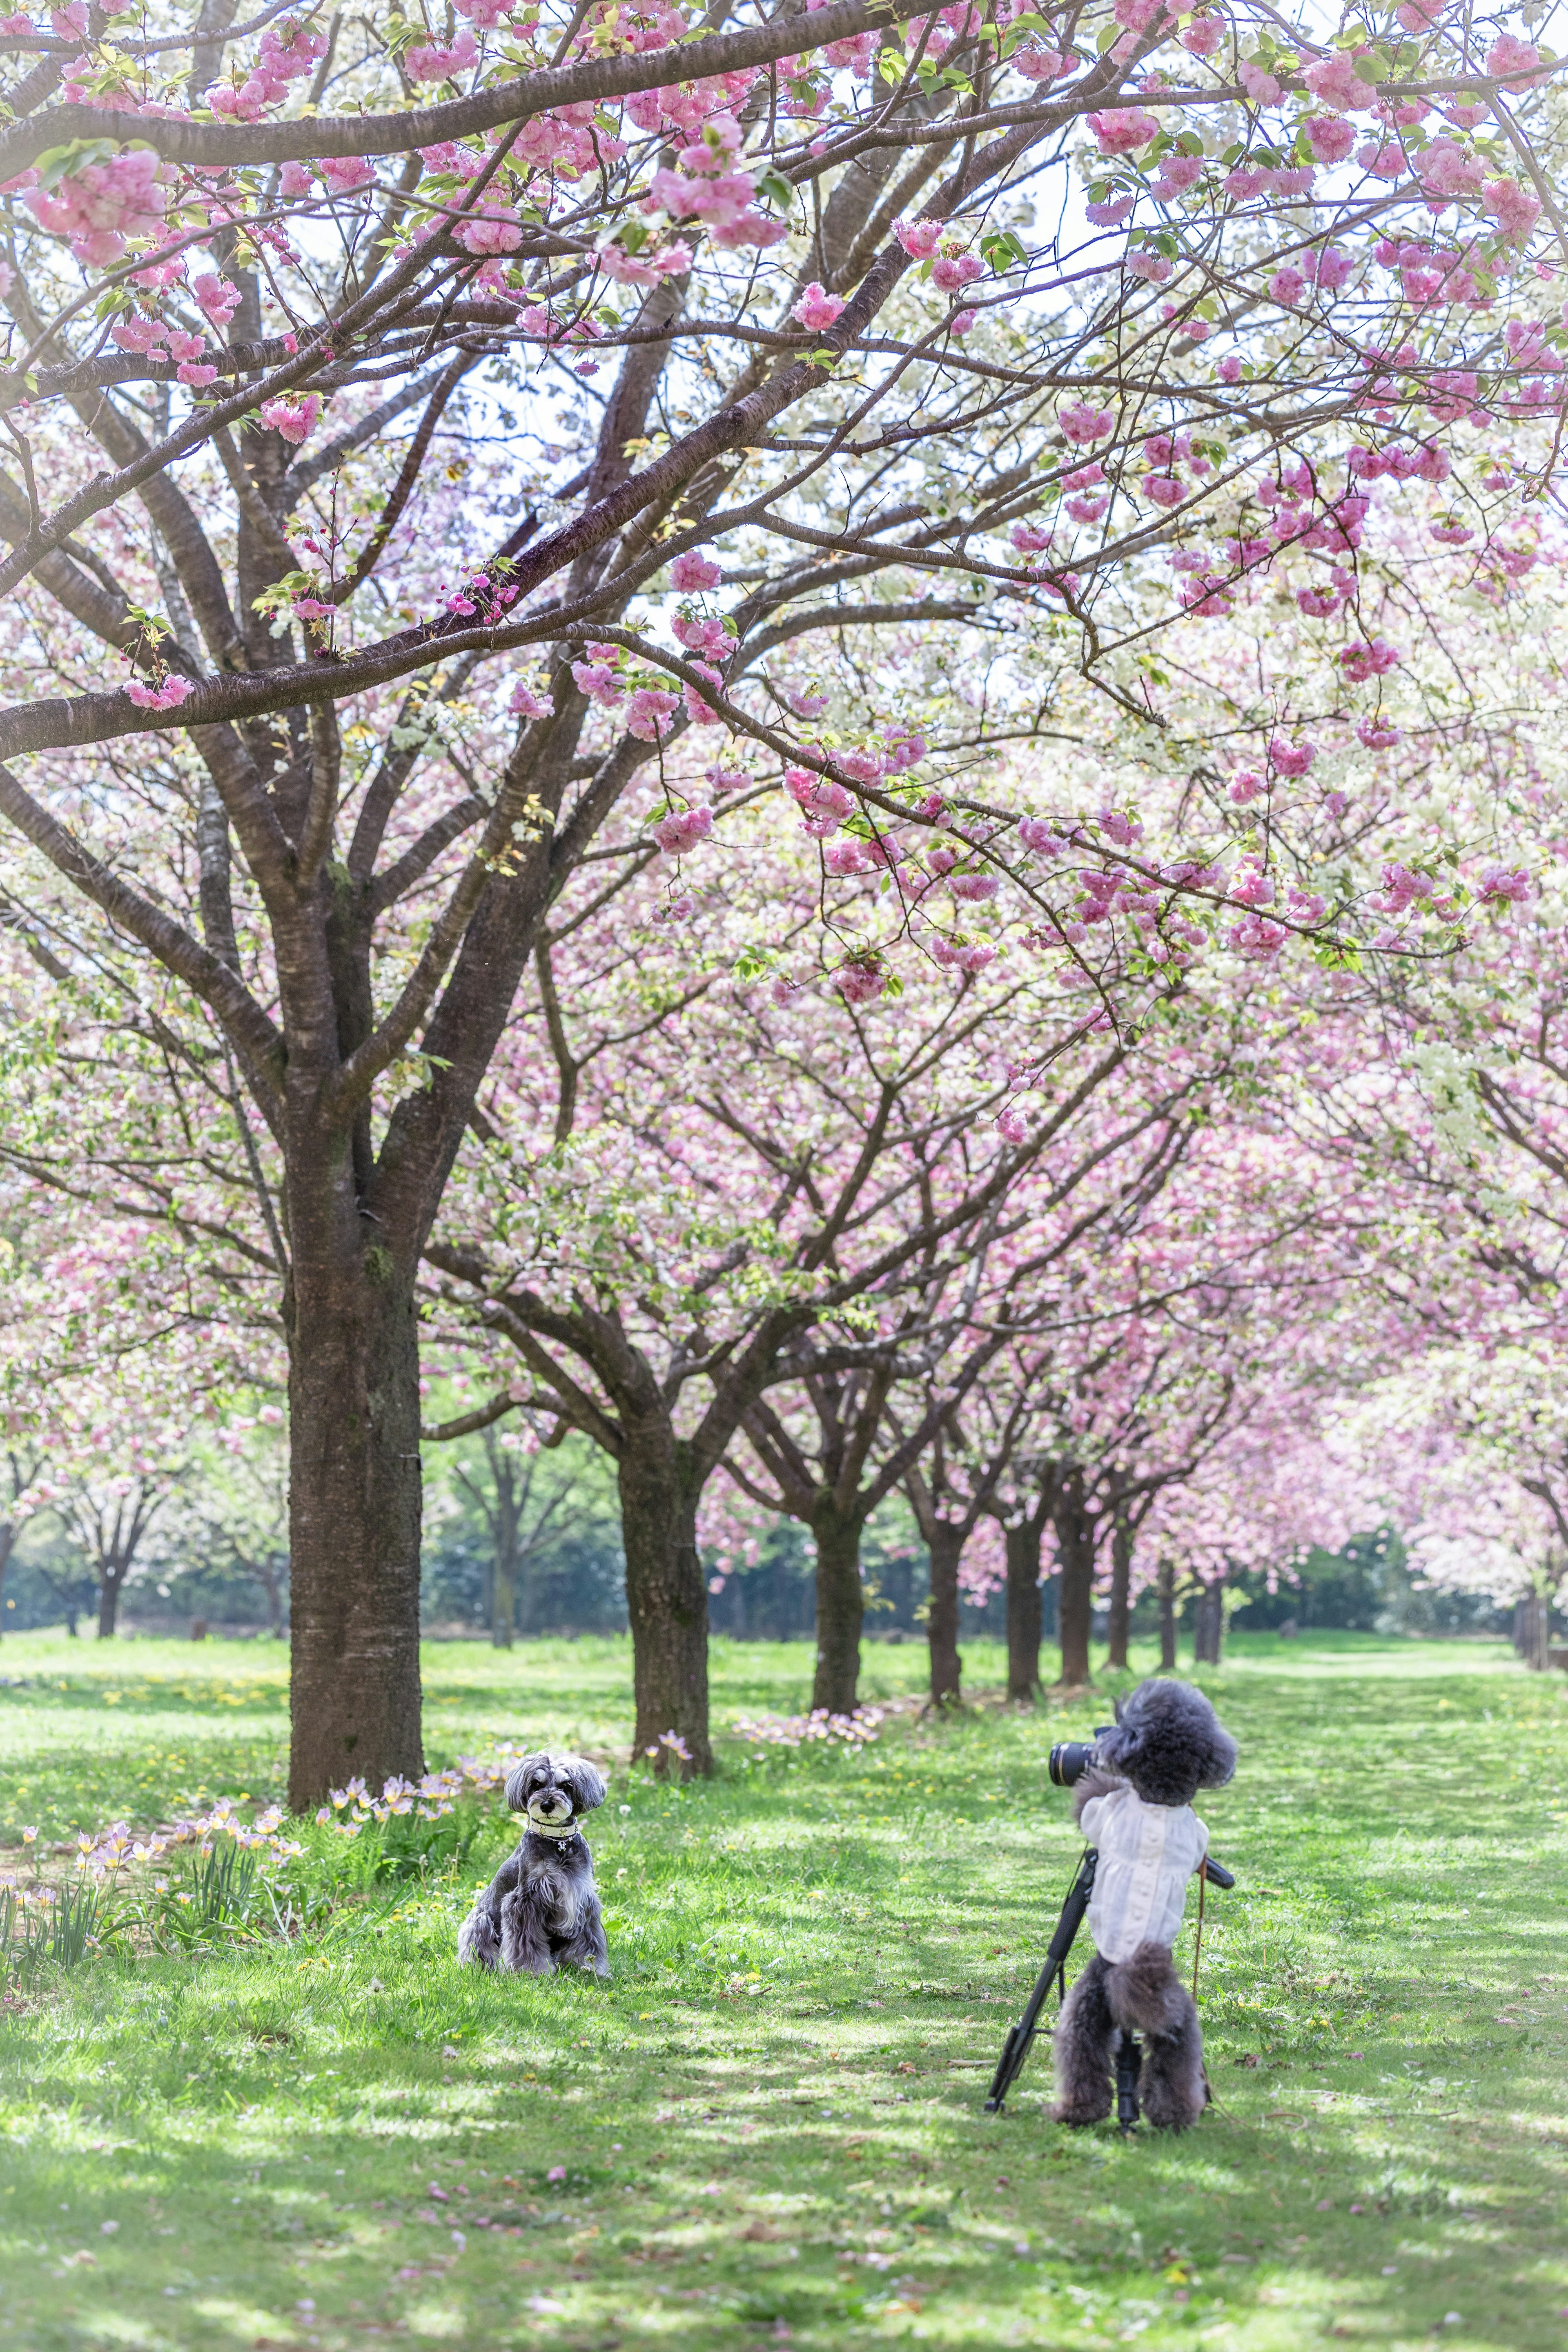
x=1169, y=1742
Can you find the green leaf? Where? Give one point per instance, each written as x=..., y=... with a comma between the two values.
x=1002, y=247
x=752, y=962
x=779, y=190
x=57, y=163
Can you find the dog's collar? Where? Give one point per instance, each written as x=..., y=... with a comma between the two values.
x=559, y=1831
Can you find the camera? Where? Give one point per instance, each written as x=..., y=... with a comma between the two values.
x=1071, y=1759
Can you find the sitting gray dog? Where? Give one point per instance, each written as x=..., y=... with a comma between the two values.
x=1136, y=1806
x=541, y=1907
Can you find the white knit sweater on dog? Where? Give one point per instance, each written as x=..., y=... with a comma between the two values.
x=1147, y=1853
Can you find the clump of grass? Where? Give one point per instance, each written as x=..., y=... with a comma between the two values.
x=43, y=1928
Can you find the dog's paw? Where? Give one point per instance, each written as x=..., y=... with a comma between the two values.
x=1078, y=2113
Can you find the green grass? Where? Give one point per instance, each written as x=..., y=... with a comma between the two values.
x=768, y=2126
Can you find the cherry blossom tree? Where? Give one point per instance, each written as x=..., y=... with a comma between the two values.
x=272, y=283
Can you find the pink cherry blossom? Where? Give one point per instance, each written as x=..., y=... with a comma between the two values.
x=1369, y=659
x=428, y=62
x=1503, y=886
x=492, y=230
x=1334, y=80
x=1039, y=64
x=1120, y=129
x=919, y=238
x=294, y=417
x=343, y=175
x=694, y=572
x=861, y=983
x=218, y=297
x=816, y=307
x=953, y=270
x=648, y=713
x=1510, y=58
x=167, y=697
x=1080, y=422
x=1329, y=136
x=683, y=829
x=99, y=206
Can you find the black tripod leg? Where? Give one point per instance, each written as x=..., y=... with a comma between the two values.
x=1129, y=2065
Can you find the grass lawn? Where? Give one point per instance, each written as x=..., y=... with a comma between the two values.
x=767, y=2129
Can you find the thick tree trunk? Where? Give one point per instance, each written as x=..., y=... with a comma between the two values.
x=945, y=1545
x=354, y=1508
x=667, y=1599
x=1209, y=1636
x=108, y=1607
x=1120, y=1593
x=840, y=1609
x=1167, y=1589
x=1023, y=1611
x=1075, y=1542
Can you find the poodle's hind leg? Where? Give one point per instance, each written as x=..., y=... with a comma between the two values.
x=1174, y=2089
x=524, y=1940
x=1082, y=2046
x=1145, y=1994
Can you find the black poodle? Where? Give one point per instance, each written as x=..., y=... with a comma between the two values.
x=1134, y=1806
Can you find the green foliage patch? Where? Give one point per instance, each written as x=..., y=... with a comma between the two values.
x=767, y=2129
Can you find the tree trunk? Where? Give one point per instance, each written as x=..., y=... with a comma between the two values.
x=7, y=1544
x=1208, y=1639
x=945, y=1545
x=1121, y=1591
x=354, y=1498
x=667, y=1599
x=503, y=1603
x=840, y=1609
x=108, y=1606
x=1023, y=1610
x=1167, y=1589
x=1075, y=1542
x=1532, y=1632
x=270, y=1580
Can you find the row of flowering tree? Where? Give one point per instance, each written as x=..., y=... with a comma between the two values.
x=447, y=438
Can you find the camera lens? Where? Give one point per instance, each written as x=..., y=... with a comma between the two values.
x=1070, y=1758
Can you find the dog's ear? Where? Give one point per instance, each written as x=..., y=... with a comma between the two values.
x=518, y=1778
x=585, y=1781
x=1219, y=1760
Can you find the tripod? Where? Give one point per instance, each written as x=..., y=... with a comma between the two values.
x=1129, y=2049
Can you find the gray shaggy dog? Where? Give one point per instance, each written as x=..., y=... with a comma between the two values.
x=1135, y=1807
x=542, y=1907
